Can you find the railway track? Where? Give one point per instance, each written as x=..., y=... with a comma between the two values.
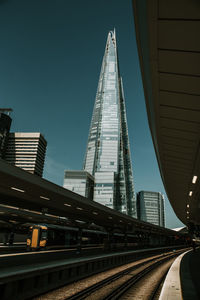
x=157, y=289
x=142, y=285
x=127, y=284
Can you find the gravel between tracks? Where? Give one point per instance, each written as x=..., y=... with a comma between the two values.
x=71, y=289
x=144, y=288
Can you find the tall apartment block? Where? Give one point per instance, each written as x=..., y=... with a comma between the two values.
x=80, y=182
x=150, y=207
x=108, y=152
x=26, y=150
x=5, y=123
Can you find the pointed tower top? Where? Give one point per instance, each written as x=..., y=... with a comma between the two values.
x=112, y=37
x=113, y=33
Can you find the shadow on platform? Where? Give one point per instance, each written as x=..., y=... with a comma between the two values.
x=190, y=275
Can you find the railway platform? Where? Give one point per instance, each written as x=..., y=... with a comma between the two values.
x=15, y=247
x=182, y=281
x=25, y=275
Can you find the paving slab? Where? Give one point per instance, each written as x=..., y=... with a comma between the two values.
x=182, y=280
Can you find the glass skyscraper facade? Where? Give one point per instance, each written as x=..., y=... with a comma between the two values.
x=80, y=182
x=26, y=150
x=150, y=206
x=108, y=151
x=5, y=123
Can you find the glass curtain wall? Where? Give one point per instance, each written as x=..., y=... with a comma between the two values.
x=108, y=152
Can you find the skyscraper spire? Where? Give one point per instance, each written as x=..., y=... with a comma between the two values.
x=108, y=151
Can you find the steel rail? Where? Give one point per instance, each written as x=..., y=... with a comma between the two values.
x=158, y=285
x=86, y=292
x=123, y=288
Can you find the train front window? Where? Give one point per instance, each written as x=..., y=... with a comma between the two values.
x=44, y=235
x=30, y=233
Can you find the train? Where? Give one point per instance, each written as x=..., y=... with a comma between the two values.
x=46, y=236
x=49, y=236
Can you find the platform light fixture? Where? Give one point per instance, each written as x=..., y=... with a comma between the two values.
x=45, y=198
x=110, y=218
x=95, y=213
x=194, y=179
x=16, y=189
x=66, y=204
x=188, y=205
x=79, y=208
x=190, y=193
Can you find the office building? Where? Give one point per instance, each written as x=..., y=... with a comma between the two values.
x=5, y=123
x=26, y=150
x=80, y=182
x=150, y=207
x=108, y=152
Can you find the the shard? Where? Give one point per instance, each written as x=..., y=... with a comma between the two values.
x=108, y=152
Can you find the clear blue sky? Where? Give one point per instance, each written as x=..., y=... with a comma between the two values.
x=50, y=59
